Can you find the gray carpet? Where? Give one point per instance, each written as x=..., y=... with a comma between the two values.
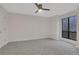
x=39, y=47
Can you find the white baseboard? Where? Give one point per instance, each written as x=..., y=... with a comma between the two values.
x=2, y=45
x=69, y=41
x=28, y=39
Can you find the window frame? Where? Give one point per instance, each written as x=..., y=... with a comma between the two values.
x=68, y=32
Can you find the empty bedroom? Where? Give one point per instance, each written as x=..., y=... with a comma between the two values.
x=39, y=28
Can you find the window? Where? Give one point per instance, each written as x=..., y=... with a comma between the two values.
x=69, y=28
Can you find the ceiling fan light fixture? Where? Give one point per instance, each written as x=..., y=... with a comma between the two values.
x=40, y=10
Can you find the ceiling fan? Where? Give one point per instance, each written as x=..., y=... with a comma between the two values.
x=40, y=8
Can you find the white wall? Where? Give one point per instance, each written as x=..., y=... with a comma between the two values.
x=3, y=27
x=54, y=27
x=17, y=27
x=24, y=27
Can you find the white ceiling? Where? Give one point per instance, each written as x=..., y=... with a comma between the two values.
x=30, y=8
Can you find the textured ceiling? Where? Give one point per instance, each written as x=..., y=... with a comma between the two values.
x=30, y=8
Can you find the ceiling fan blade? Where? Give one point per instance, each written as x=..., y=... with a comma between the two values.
x=37, y=5
x=36, y=11
x=46, y=9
